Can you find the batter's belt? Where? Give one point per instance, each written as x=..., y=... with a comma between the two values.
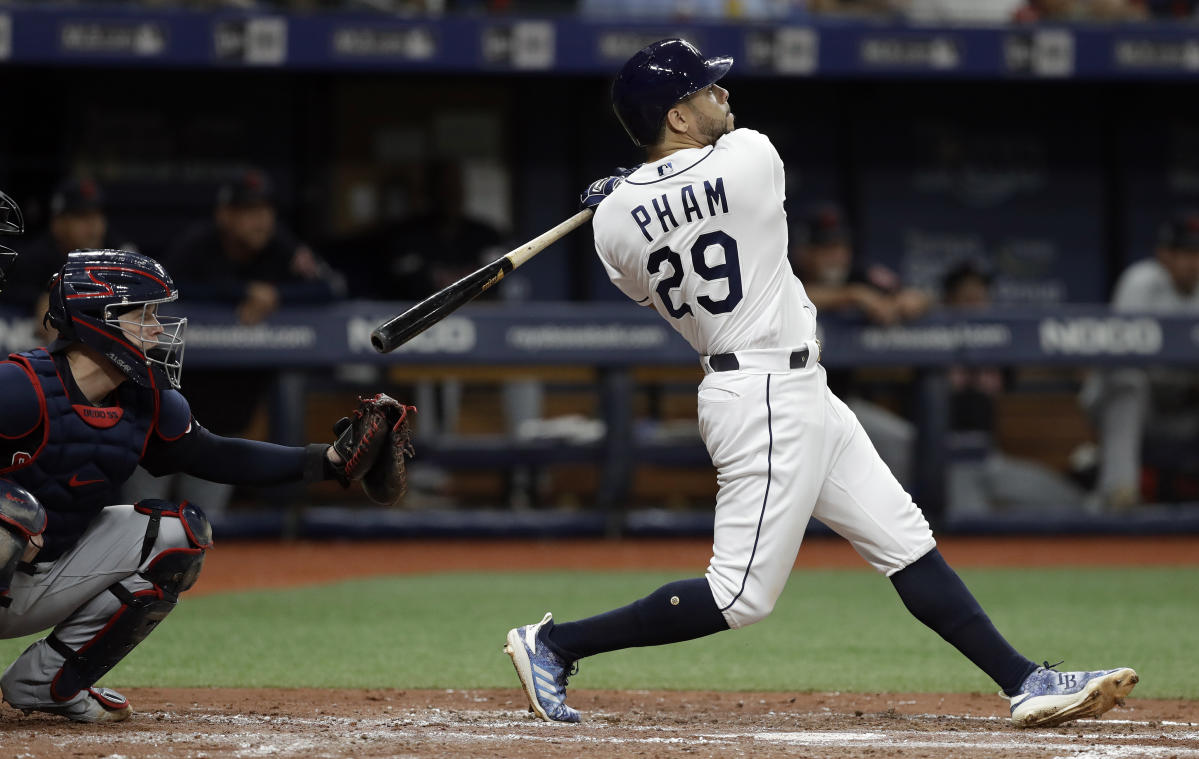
x=764, y=360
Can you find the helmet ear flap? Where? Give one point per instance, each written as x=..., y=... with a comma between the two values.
x=56, y=312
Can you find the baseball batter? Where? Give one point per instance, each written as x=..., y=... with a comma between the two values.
x=699, y=233
x=75, y=419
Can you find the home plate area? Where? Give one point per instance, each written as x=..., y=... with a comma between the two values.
x=211, y=723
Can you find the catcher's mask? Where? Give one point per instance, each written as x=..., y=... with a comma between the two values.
x=11, y=223
x=109, y=300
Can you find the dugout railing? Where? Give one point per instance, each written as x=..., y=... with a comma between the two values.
x=612, y=352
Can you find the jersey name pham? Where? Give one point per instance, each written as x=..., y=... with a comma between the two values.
x=689, y=206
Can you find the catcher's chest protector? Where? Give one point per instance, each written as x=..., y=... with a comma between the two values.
x=77, y=457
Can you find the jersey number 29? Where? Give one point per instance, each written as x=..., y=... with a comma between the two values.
x=730, y=270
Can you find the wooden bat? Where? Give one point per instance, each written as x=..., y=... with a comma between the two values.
x=398, y=330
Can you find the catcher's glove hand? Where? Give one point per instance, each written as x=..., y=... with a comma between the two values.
x=373, y=443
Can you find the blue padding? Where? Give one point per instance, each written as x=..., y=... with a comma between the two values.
x=354, y=522
x=330, y=521
x=1180, y=519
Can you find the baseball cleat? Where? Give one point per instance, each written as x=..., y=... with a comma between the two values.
x=542, y=673
x=1049, y=698
x=91, y=705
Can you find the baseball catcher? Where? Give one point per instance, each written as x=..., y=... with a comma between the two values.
x=76, y=418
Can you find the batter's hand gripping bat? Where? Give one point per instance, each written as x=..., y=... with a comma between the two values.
x=398, y=330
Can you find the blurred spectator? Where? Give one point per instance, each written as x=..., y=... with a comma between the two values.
x=77, y=222
x=857, y=7
x=962, y=11
x=438, y=245
x=1170, y=8
x=691, y=9
x=1079, y=10
x=245, y=258
x=435, y=247
x=982, y=479
x=1154, y=408
x=402, y=7
x=822, y=257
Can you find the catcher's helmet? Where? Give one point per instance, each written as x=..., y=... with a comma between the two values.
x=656, y=78
x=104, y=299
x=11, y=223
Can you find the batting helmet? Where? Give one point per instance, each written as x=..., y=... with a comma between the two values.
x=105, y=298
x=11, y=223
x=656, y=78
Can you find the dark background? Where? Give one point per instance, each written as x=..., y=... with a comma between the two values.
x=1057, y=185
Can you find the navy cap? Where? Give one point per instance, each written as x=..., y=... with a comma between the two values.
x=250, y=188
x=821, y=224
x=963, y=270
x=1181, y=232
x=76, y=194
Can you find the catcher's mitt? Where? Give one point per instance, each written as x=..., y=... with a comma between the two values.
x=373, y=443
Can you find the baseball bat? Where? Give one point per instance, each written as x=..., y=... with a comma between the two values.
x=398, y=330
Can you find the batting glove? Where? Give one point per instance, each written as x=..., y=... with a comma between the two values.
x=602, y=188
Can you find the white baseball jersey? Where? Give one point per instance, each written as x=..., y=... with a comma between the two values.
x=1147, y=286
x=703, y=236
x=699, y=230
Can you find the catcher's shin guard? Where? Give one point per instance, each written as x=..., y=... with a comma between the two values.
x=170, y=572
x=137, y=616
x=22, y=519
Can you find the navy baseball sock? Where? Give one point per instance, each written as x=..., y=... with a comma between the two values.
x=936, y=596
x=677, y=611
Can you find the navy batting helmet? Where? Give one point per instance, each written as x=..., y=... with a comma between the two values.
x=11, y=223
x=106, y=299
x=656, y=78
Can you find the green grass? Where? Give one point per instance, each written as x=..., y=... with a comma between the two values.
x=832, y=630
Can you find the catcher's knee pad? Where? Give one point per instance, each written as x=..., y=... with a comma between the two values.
x=22, y=519
x=175, y=567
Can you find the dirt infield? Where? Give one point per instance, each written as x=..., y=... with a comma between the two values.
x=618, y=725
x=212, y=723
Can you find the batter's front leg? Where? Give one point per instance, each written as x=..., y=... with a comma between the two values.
x=545, y=653
x=767, y=435
x=762, y=510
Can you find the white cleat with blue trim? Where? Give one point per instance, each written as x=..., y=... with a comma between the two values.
x=1049, y=697
x=542, y=673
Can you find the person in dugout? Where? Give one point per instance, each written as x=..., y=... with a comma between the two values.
x=76, y=418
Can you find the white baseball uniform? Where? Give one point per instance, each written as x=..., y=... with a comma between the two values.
x=702, y=236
